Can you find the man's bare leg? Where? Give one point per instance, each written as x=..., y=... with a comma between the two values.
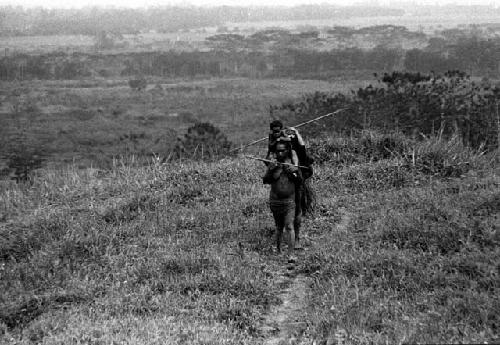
x=279, y=233
x=291, y=243
x=297, y=223
x=280, y=224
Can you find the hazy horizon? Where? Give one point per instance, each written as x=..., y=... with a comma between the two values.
x=150, y=3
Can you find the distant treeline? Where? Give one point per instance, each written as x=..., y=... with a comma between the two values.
x=477, y=57
x=310, y=36
x=16, y=21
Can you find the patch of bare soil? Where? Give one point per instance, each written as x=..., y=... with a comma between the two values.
x=284, y=324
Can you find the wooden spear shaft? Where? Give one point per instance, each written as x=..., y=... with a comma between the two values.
x=297, y=126
x=279, y=163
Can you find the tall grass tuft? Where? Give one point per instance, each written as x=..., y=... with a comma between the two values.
x=366, y=146
x=444, y=158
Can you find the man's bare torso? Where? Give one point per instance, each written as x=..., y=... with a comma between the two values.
x=283, y=186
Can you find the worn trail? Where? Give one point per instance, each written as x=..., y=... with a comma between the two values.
x=285, y=323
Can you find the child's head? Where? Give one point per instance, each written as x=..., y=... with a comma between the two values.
x=276, y=126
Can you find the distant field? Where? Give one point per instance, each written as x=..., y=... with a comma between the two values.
x=90, y=122
x=44, y=43
x=157, y=41
x=428, y=24
x=194, y=39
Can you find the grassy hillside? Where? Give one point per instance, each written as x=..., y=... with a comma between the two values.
x=401, y=249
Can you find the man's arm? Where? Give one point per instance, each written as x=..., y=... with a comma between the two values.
x=295, y=158
x=268, y=156
x=300, y=141
x=293, y=171
x=272, y=174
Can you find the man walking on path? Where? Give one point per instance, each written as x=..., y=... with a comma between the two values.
x=304, y=195
x=283, y=176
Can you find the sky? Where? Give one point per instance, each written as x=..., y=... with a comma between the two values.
x=148, y=3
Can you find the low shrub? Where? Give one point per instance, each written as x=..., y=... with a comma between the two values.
x=375, y=176
x=443, y=158
x=203, y=141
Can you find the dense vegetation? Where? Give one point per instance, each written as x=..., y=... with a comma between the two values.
x=288, y=63
x=449, y=104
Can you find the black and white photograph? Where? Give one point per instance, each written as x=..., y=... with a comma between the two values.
x=287, y=172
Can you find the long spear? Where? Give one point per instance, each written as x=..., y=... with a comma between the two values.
x=296, y=126
x=279, y=163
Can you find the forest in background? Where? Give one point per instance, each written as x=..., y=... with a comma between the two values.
x=17, y=21
x=275, y=53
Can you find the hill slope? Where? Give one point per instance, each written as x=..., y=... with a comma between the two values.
x=182, y=253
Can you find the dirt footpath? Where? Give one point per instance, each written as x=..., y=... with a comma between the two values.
x=284, y=324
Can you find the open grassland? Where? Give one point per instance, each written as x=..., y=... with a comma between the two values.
x=84, y=43
x=425, y=23
x=45, y=43
x=90, y=122
x=182, y=252
x=195, y=38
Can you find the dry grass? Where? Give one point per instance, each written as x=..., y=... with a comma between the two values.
x=143, y=245
x=154, y=254
x=417, y=261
